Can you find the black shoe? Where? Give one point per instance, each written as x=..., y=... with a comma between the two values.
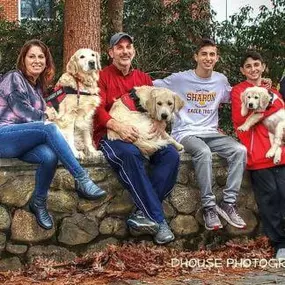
x=38, y=208
x=139, y=222
x=87, y=189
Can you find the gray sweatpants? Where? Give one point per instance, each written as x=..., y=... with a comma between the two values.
x=201, y=148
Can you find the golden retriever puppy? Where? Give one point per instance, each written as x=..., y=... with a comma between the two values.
x=157, y=103
x=75, y=112
x=257, y=99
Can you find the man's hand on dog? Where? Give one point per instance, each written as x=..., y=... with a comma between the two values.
x=127, y=133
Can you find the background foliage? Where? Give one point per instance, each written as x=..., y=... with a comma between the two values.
x=165, y=38
x=13, y=35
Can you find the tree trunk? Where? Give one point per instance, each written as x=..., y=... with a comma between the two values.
x=115, y=15
x=82, y=24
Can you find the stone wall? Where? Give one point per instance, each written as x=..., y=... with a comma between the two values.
x=83, y=226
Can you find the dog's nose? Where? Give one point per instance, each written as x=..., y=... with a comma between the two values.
x=91, y=64
x=250, y=105
x=164, y=116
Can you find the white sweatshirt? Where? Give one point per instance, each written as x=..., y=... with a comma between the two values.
x=202, y=98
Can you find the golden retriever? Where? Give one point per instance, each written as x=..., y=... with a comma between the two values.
x=159, y=104
x=75, y=114
x=257, y=99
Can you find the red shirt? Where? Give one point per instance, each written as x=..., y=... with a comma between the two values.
x=256, y=140
x=113, y=84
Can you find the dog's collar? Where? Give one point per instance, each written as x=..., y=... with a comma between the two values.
x=57, y=95
x=132, y=101
x=136, y=100
x=70, y=90
x=54, y=93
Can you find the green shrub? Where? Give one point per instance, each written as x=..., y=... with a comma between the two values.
x=14, y=34
x=164, y=36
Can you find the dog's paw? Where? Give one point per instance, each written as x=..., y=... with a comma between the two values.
x=78, y=154
x=276, y=160
x=91, y=152
x=81, y=155
x=179, y=147
x=270, y=153
x=277, y=156
x=243, y=128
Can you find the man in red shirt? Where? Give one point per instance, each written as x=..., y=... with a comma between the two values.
x=147, y=191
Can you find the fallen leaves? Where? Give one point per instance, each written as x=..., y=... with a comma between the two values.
x=139, y=261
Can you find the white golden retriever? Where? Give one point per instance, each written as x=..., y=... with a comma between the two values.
x=159, y=104
x=75, y=114
x=257, y=99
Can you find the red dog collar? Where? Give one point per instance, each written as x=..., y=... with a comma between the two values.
x=132, y=101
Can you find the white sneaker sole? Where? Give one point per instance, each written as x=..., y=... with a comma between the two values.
x=164, y=242
x=216, y=228
x=224, y=215
x=142, y=229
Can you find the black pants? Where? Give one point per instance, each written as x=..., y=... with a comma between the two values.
x=269, y=190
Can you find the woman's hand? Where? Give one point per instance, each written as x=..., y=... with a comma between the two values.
x=50, y=113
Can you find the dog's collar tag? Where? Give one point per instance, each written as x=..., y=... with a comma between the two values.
x=78, y=92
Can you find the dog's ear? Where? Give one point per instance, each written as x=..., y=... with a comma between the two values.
x=243, y=98
x=178, y=103
x=264, y=99
x=97, y=61
x=71, y=66
x=151, y=106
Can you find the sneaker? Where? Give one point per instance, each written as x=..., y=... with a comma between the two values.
x=164, y=234
x=280, y=254
x=211, y=219
x=229, y=212
x=139, y=222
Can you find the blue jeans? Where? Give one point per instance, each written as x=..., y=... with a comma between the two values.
x=39, y=143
